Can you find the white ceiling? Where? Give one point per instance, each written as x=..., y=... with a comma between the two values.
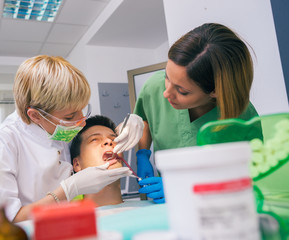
x=24, y=38
x=135, y=23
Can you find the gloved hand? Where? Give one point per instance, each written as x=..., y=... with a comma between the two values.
x=153, y=187
x=130, y=135
x=92, y=180
x=144, y=167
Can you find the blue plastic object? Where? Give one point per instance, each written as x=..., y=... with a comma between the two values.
x=144, y=167
x=154, y=189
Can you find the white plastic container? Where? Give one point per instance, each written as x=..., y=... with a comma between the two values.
x=157, y=235
x=209, y=193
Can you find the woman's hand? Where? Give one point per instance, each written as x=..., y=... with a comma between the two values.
x=130, y=135
x=144, y=166
x=153, y=187
x=92, y=180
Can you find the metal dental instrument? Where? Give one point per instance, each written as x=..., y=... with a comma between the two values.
x=125, y=122
x=123, y=126
x=112, y=155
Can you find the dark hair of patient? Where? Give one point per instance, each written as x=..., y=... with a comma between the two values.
x=96, y=120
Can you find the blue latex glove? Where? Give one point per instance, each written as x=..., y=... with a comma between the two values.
x=144, y=167
x=154, y=189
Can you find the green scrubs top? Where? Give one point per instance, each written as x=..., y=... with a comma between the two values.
x=169, y=127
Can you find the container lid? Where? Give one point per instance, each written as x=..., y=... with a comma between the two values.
x=109, y=235
x=156, y=234
x=203, y=156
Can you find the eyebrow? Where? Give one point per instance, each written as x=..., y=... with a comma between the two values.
x=98, y=134
x=178, y=85
x=94, y=134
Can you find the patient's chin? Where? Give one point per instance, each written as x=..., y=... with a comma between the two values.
x=115, y=165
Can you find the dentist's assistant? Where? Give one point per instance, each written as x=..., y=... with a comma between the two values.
x=208, y=77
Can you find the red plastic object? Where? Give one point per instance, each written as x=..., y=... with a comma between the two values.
x=72, y=220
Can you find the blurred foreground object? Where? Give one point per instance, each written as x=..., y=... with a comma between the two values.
x=66, y=220
x=9, y=231
x=269, y=165
x=215, y=189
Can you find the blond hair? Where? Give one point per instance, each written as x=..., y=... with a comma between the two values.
x=49, y=83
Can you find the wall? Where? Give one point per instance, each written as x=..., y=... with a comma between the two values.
x=8, y=68
x=252, y=20
x=110, y=64
x=281, y=20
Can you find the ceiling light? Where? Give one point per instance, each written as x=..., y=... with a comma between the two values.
x=40, y=10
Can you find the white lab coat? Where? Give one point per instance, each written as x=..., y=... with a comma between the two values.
x=30, y=163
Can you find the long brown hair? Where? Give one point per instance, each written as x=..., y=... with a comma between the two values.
x=217, y=60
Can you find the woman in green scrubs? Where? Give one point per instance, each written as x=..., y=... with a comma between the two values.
x=208, y=77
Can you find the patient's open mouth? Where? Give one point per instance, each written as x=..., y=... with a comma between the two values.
x=111, y=156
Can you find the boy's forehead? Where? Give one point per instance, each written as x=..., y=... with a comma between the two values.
x=101, y=130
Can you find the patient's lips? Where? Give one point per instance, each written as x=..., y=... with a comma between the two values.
x=108, y=155
x=111, y=157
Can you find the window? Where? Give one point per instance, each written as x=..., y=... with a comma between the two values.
x=39, y=10
x=7, y=105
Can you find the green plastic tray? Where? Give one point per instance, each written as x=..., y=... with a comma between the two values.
x=269, y=166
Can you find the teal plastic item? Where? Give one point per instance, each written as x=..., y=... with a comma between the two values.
x=135, y=221
x=269, y=140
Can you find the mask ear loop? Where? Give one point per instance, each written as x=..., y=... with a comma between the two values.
x=49, y=122
x=28, y=108
x=47, y=119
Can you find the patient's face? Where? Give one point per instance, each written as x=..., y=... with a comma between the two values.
x=96, y=141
